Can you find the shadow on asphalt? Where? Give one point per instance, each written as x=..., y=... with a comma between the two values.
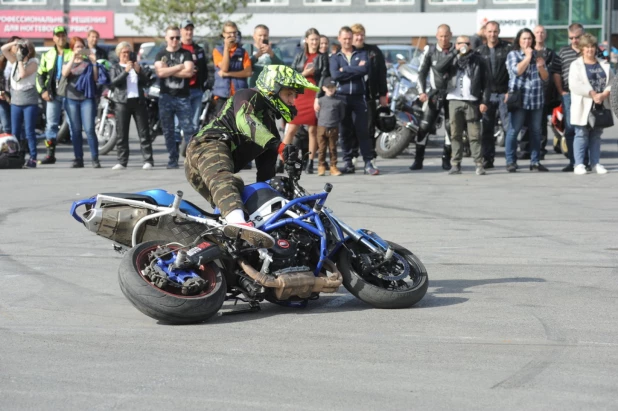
x=433, y=299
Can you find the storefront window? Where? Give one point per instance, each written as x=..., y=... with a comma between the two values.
x=557, y=38
x=587, y=11
x=553, y=12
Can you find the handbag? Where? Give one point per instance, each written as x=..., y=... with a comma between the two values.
x=61, y=90
x=600, y=117
x=515, y=101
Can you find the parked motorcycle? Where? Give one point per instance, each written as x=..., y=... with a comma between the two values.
x=180, y=268
x=105, y=123
x=403, y=102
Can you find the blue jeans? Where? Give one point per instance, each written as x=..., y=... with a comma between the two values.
x=5, y=117
x=569, y=131
x=532, y=119
x=25, y=116
x=81, y=114
x=195, y=99
x=170, y=106
x=587, y=139
x=53, y=113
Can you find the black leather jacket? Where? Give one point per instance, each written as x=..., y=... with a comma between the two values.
x=499, y=79
x=480, y=86
x=118, y=83
x=433, y=56
x=201, y=64
x=320, y=63
x=376, y=82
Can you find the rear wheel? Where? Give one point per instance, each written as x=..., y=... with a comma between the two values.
x=195, y=295
x=400, y=283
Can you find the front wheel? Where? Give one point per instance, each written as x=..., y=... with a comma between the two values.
x=391, y=144
x=107, y=136
x=146, y=284
x=400, y=283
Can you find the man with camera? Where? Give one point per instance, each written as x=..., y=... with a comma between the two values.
x=232, y=65
x=468, y=94
x=93, y=39
x=174, y=66
x=48, y=77
x=261, y=52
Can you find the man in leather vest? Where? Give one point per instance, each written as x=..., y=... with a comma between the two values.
x=232, y=65
x=469, y=86
x=494, y=53
x=434, y=94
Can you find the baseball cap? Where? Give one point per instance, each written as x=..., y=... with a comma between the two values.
x=329, y=82
x=186, y=23
x=60, y=30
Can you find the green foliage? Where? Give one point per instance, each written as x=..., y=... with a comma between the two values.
x=207, y=15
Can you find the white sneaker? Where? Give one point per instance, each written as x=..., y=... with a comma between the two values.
x=249, y=233
x=374, y=163
x=147, y=166
x=119, y=167
x=600, y=169
x=580, y=169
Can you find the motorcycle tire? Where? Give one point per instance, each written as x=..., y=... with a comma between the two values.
x=64, y=133
x=563, y=147
x=390, y=145
x=163, y=304
x=109, y=137
x=613, y=97
x=467, y=152
x=500, y=136
x=368, y=290
x=183, y=147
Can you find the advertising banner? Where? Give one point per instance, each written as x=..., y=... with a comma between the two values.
x=40, y=24
x=511, y=20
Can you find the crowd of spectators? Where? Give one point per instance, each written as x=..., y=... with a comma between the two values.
x=470, y=81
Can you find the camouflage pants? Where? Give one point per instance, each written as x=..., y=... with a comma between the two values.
x=210, y=170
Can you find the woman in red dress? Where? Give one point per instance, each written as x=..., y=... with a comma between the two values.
x=314, y=66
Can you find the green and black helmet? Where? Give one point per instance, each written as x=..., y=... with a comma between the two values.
x=273, y=78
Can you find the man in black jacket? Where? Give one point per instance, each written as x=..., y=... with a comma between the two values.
x=468, y=93
x=93, y=39
x=375, y=82
x=199, y=81
x=494, y=53
x=434, y=94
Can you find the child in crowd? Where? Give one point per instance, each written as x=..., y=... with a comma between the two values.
x=330, y=115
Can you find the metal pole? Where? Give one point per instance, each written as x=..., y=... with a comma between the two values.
x=66, y=10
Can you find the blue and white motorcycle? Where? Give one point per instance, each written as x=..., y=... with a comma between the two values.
x=179, y=268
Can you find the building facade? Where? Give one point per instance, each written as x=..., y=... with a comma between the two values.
x=387, y=21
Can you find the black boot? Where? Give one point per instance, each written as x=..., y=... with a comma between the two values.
x=418, y=159
x=50, y=158
x=446, y=157
x=309, y=168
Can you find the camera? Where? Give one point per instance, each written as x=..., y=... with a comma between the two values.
x=265, y=41
x=132, y=57
x=22, y=51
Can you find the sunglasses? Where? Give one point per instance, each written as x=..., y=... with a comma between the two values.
x=175, y=38
x=464, y=42
x=574, y=38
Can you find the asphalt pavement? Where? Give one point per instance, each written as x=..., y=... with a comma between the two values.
x=520, y=313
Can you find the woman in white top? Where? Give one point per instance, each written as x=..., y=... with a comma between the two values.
x=128, y=80
x=589, y=81
x=24, y=97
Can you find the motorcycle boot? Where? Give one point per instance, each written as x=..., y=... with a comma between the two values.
x=446, y=157
x=50, y=158
x=418, y=160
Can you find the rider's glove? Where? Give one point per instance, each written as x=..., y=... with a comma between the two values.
x=290, y=154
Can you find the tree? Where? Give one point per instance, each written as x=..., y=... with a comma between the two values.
x=207, y=15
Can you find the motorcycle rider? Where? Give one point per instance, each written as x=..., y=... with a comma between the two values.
x=494, y=53
x=436, y=98
x=47, y=79
x=245, y=129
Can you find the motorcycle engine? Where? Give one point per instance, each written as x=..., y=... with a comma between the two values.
x=291, y=249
